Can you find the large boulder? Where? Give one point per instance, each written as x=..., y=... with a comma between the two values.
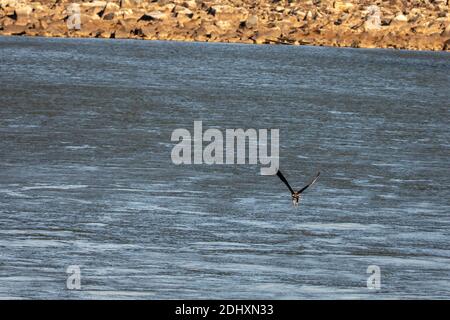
x=226, y=12
x=154, y=15
x=109, y=10
x=252, y=21
x=183, y=15
x=23, y=13
x=14, y=30
x=268, y=35
x=180, y=10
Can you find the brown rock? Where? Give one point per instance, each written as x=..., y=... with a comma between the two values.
x=343, y=5
x=446, y=45
x=309, y=15
x=110, y=10
x=180, y=10
x=226, y=12
x=108, y=16
x=95, y=7
x=191, y=4
x=183, y=15
x=56, y=29
x=22, y=13
x=14, y=30
x=149, y=32
x=224, y=25
x=446, y=32
x=268, y=35
x=127, y=4
x=206, y=30
x=121, y=33
x=252, y=21
x=400, y=18
x=154, y=15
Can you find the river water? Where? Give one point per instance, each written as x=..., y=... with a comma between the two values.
x=86, y=177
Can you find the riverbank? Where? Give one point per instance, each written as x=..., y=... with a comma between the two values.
x=415, y=25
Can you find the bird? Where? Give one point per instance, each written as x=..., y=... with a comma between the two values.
x=296, y=194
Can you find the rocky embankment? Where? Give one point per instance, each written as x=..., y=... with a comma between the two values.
x=412, y=24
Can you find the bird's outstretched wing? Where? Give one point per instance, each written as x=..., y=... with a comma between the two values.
x=280, y=175
x=310, y=184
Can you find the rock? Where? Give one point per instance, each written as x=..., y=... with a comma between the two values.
x=9, y=3
x=309, y=15
x=129, y=14
x=300, y=14
x=56, y=29
x=226, y=12
x=148, y=32
x=180, y=10
x=22, y=14
x=400, y=17
x=94, y=4
x=86, y=17
x=108, y=16
x=43, y=24
x=446, y=32
x=110, y=8
x=268, y=35
x=8, y=11
x=224, y=25
x=121, y=33
x=95, y=7
x=167, y=8
x=252, y=21
x=14, y=30
x=183, y=15
x=127, y=4
x=190, y=4
x=230, y=17
x=154, y=15
x=220, y=9
x=446, y=45
x=342, y=5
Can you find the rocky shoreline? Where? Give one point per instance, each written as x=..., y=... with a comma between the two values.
x=399, y=24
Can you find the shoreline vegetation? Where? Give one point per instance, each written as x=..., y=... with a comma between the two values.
x=398, y=24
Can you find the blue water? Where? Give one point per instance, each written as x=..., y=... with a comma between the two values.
x=86, y=176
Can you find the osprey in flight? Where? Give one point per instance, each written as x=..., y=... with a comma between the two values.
x=296, y=194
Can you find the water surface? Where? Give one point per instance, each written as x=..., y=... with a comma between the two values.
x=86, y=176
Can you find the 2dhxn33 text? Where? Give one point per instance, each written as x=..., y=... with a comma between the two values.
x=227, y=309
